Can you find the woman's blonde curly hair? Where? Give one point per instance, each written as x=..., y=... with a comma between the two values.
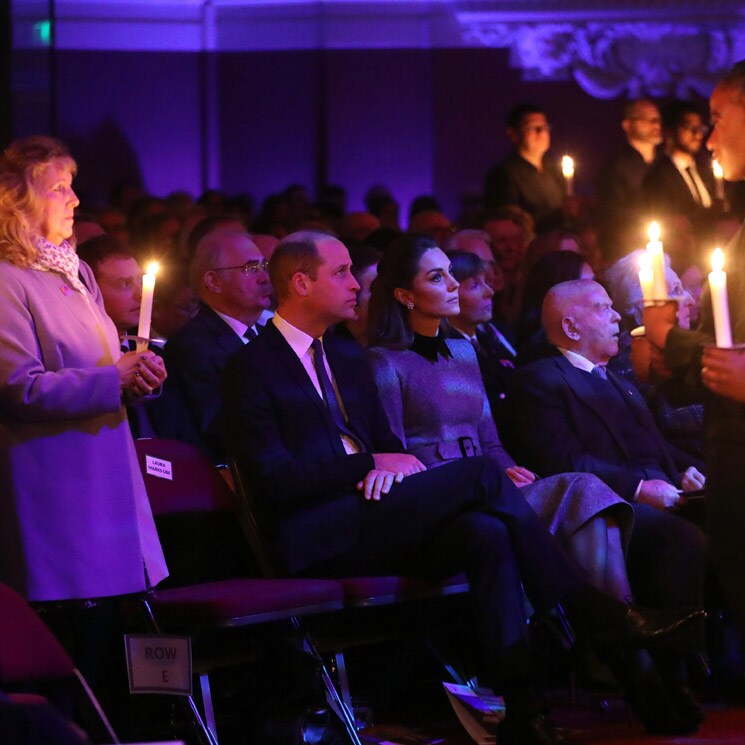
x=20, y=205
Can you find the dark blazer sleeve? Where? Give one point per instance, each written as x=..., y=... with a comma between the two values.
x=279, y=437
x=549, y=426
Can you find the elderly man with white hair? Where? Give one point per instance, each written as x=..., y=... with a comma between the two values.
x=681, y=423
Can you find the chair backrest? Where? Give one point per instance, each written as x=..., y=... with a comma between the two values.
x=196, y=514
x=194, y=484
x=249, y=523
x=28, y=649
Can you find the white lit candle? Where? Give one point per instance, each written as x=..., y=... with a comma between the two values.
x=567, y=168
x=718, y=179
x=719, y=305
x=146, y=305
x=646, y=279
x=657, y=262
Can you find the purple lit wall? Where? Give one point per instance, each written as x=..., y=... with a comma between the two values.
x=421, y=121
x=131, y=115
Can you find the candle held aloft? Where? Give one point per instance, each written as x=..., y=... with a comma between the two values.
x=657, y=263
x=646, y=279
x=567, y=169
x=146, y=305
x=719, y=304
x=718, y=179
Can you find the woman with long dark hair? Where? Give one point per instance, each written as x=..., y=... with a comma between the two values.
x=432, y=391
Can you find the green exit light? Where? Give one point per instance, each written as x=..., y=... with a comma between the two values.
x=43, y=32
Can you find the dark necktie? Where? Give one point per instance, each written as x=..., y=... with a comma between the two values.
x=475, y=344
x=696, y=192
x=600, y=371
x=329, y=394
x=250, y=333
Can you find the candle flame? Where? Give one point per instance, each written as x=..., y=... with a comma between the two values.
x=567, y=166
x=654, y=232
x=152, y=268
x=717, y=260
x=718, y=172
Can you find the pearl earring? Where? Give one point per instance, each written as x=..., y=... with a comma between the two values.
x=410, y=305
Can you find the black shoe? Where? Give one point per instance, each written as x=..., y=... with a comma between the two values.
x=538, y=730
x=655, y=709
x=645, y=627
x=685, y=704
x=648, y=696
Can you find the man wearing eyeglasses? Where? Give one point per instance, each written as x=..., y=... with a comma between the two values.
x=229, y=274
x=676, y=184
x=525, y=177
x=619, y=183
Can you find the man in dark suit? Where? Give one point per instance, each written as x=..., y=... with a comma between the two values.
x=526, y=177
x=335, y=494
x=723, y=370
x=230, y=276
x=675, y=184
x=619, y=183
x=569, y=412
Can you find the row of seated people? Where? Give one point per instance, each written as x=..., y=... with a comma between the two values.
x=336, y=491
x=588, y=518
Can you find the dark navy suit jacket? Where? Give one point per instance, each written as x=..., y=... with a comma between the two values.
x=664, y=190
x=558, y=423
x=195, y=357
x=280, y=431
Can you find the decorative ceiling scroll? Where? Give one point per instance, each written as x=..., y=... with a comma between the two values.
x=616, y=59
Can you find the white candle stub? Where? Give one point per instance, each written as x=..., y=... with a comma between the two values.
x=567, y=169
x=718, y=178
x=657, y=262
x=146, y=305
x=646, y=279
x=719, y=304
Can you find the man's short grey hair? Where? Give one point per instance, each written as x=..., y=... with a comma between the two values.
x=456, y=241
x=624, y=288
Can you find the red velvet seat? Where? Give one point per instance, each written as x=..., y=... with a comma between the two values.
x=195, y=487
x=30, y=653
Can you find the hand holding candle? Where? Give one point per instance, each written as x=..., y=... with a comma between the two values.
x=719, y=304
x=146, y=305
x=567, y=168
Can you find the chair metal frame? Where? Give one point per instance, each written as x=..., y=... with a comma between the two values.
x=206, y=725
x=46, y=658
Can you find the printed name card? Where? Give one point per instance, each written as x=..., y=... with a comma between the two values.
x=158, y=664
x=158, y=467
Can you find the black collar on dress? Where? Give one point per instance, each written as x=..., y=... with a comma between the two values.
x=430, y=346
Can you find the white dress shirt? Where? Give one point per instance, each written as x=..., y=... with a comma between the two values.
x=300, y=343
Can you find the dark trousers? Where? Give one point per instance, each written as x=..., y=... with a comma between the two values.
x=725, y=512
x=467, y=516
x=665, y=561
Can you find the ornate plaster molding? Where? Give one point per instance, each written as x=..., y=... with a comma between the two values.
x=613, y=59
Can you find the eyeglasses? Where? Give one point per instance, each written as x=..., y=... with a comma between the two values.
x=537, y=128
x=250, y=267
x=648, y=120
x=701, y=130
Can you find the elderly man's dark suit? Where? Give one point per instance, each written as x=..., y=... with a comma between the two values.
x=461, y=517
x=195, y=357
x=566, y=419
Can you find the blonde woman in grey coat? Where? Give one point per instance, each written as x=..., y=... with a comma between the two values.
x=75, y=522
